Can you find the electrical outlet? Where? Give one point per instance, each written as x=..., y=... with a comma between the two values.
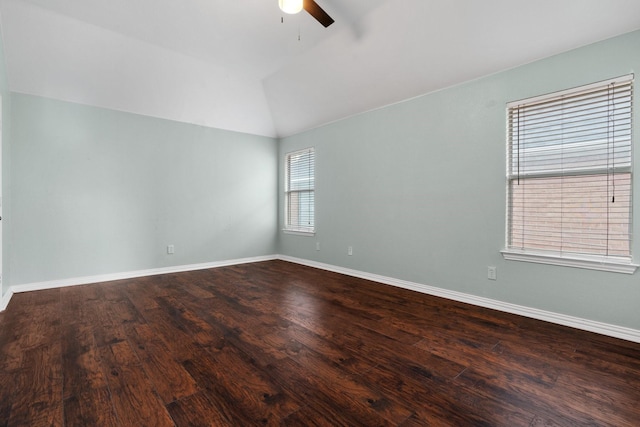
x=350, y=250
x=171, y=249
x=492, y=273
x=317, y=246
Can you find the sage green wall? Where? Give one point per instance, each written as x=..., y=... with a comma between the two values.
x=418, y=190
x=6, y=150
x=97, y=191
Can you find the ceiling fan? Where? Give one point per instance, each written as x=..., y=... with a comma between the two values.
x=295, y=6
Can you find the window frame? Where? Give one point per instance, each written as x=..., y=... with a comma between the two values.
x=293, y=229
x=618, y=264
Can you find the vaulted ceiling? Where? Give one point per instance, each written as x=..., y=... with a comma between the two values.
x=243, y=65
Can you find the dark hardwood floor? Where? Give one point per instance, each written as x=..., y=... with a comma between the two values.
x=275, y=343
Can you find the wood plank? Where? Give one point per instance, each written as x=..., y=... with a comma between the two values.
x=7, y=395
x=165, y=326
x=201, y=332
x=134, y=399
x=275, y=343
x=199, y=410
x=339, y=396
x=37, y=397
x=38, y=392
x=108, y=328
x=91, y=408
x=256, y=399
x=168, y=376
x=87, y=400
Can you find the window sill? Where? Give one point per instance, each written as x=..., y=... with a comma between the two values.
x=298, y=232
x=614, y=265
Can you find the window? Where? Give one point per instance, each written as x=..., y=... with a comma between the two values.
x=299, y=191
x=569, y=182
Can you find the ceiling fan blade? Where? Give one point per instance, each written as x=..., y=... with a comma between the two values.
x=317, y=12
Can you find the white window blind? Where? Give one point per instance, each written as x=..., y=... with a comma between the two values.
x=569, y=181
x=299, y=191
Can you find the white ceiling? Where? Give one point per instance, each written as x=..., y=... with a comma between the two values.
x=234, y=65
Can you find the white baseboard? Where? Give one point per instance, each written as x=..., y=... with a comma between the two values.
x=548, y=316
x=5, y=300
x=86, y=280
